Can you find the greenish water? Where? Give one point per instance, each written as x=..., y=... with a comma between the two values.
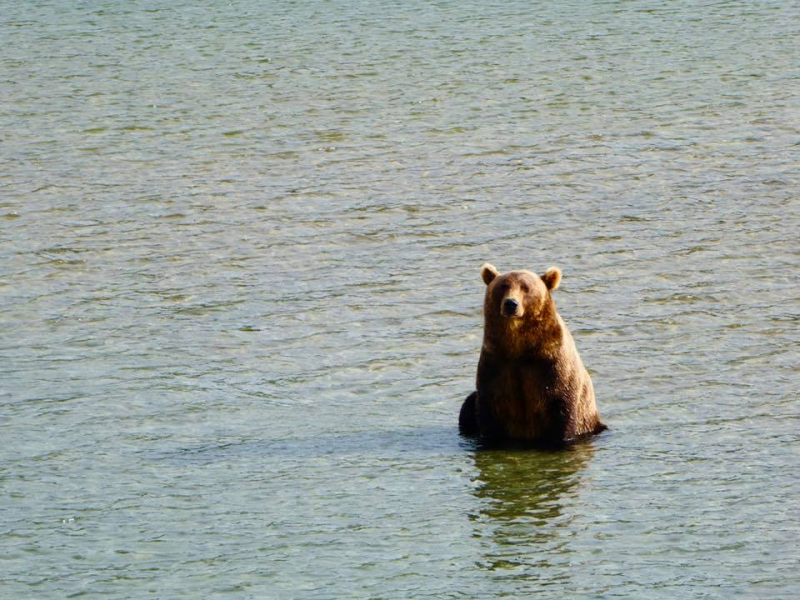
x=240, y=296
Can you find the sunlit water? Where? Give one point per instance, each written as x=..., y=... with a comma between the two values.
x=240, y=296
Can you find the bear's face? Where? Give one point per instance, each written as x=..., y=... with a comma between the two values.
x=515, y=294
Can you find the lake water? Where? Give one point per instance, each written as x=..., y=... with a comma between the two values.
x=240, y=298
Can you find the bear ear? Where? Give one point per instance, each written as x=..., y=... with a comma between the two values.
x=551, y=278
x=488, y=273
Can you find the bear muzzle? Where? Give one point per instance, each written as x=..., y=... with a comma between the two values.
x=510, y=308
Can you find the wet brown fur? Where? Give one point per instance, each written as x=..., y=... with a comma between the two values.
x=531, y=383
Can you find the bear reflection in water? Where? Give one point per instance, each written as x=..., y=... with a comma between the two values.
x=525, y=499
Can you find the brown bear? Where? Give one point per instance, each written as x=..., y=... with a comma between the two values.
x=531, y=386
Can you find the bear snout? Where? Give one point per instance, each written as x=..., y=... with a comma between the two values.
x=510, y=307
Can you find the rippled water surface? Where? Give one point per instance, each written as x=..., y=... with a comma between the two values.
x=240, y=296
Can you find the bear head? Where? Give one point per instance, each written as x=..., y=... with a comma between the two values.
x=518, y=295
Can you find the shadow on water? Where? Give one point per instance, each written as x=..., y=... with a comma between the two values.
x=382, y=443
x=525, y=497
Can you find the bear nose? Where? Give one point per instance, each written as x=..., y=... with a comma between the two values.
x=510, y=306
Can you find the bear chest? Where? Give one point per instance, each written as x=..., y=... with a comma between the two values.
x=521, y=396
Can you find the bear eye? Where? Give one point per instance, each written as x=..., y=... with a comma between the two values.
x=525, y=289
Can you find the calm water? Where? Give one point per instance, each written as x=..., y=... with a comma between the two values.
x=240, y=296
